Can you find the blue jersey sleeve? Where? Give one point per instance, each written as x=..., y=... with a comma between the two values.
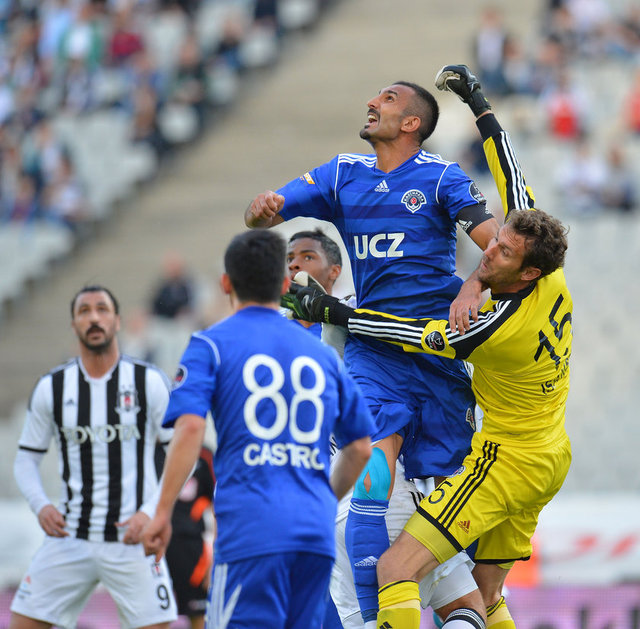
x=195, y=381
x=312, y=194
x=456, y=191
x=355, y=420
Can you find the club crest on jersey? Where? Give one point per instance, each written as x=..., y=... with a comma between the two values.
x=127, y=401
x=435, y=341
x=179, y=378
x=413, y=200
x=156, y=569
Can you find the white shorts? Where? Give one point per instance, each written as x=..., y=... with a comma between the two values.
x=64, y=572
x=443, y=585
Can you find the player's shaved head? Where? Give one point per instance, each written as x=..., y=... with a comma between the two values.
x=425, y=106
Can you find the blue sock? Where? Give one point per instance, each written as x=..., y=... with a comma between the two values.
x=366, y=539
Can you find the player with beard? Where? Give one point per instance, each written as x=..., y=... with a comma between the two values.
x=104, y=411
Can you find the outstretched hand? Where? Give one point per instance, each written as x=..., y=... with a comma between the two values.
x=302, y=301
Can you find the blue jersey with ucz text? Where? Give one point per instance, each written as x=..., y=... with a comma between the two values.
x=399, y=228
x=276, y=394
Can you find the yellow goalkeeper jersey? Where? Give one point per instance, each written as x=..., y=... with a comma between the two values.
x=521, y=344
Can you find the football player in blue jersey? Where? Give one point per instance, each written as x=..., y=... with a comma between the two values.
x=451, y=586
x=276, y=394
x=397, y=211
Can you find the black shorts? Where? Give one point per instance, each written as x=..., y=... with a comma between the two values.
x=189, y=560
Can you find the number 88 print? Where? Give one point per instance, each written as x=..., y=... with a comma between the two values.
x=287, y=413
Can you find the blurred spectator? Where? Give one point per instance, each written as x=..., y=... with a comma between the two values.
x=581, y=179
x=56, y=17
x=172, y=308
x=134, y=337
x=42, y=153
x=565, y=105
x=144, y=125
x=631, y=105
x=83, y=39
x=64, y=199
x=23, y=208
x=620, y=190
x=560, y=30
x=174, y=294
x=125, y=39
x=489, y=51
x=592, y=19
x=189, y=82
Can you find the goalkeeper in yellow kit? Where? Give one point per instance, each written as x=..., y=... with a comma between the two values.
x=519, y=343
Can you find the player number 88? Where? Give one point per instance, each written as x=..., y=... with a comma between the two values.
x=272, y=391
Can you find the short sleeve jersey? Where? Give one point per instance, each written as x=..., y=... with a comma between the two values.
x=399, y=228
x=276, y=394
x=106, y=430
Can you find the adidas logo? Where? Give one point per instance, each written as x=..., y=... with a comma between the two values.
x=464, y=525
x=382, y=187
x=367, y=561
x=386, y=625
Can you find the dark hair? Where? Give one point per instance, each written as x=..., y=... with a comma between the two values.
x=329, y=246
x=425, y=106
x=546, y=239
x=95, y=288
x=255, y=262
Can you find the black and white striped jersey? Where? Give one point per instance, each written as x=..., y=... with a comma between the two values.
x=106, y=430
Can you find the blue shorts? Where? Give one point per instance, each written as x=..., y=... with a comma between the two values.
x=426, y=399
x=282, y=591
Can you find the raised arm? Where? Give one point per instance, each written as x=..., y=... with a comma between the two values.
x=505, y=169
x=501, y=158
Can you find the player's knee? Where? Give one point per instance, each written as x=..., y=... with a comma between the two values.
x=390, y=569
x=375, y=481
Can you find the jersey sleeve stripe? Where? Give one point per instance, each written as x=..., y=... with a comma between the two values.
x=483, y=329
x=28, y=449
x=211, y=344
x=389, y=331
x=520, y=197
x=444, y=170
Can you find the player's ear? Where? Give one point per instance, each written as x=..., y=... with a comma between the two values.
x=285, y=284
x=530, y=273
x=225, y=284
x=334, y=272
x=411, y=124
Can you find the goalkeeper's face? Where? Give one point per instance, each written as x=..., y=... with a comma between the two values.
x=501, y=266
x=307, y=254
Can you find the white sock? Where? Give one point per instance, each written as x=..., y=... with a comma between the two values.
x=463, y=619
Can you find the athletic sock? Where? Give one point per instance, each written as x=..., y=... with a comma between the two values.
x=366, y=538
x=463, y=618
x=399, y=605
x=498, y=616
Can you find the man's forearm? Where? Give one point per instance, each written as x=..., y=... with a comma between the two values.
x=353, y=458
x=183, y=453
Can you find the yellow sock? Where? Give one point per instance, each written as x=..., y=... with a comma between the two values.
x=498, y=616
x=399, y=604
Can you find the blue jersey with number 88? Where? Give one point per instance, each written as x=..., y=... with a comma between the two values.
x=276, y=394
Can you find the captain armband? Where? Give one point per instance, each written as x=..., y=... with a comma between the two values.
x=471, y=216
